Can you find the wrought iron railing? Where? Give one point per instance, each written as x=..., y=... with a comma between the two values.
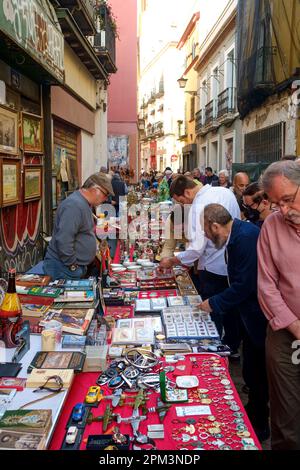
x=211, y=110
x=227, y=101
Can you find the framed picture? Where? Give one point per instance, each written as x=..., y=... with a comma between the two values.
x=32, y=182
x=32, y=133
x=10, y=184
x=54, y=191
x=8, y=131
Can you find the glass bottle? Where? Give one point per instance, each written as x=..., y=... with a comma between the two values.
x=11, y=306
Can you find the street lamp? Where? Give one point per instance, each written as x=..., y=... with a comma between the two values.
x=182, y=82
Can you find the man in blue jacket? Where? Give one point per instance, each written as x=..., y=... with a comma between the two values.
x=240, y=241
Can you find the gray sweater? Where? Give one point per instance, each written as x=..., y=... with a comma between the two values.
x=73, y=239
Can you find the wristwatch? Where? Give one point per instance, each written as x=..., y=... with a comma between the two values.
x=73, y=267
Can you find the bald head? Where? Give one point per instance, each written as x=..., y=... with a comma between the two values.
x=240, y=182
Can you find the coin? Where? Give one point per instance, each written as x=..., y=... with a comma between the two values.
x=243, y=434
x=225, y=382
x=211, y=418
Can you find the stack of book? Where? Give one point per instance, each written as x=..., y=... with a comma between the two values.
x=25, y=429
x=79, y=290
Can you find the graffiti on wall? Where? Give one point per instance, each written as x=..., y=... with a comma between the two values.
x=118, y=150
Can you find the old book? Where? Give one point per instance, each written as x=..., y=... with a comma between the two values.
x=11, y=440
x=57, y=360
x=52, y=292
x=73, y=341
x=75, y=305
x=35, y=300
x=80, y=284
x=38, y=377
x=73, y=321
x=12, y=382
x=30, y=280
x=76, y=296
x=34, y=310
x=31, y=421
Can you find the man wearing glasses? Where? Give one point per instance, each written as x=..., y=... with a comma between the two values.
x=73, y=244
x=279, y=297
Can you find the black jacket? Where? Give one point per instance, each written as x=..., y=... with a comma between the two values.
x=119, y=188
x=242, y=277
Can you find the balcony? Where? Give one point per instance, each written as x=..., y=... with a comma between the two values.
x=80, y=45
x=152, y=97
x=104, y=41
x=227, y=104
x=200, y=120
x=83, y=12
x=182, y=130
x=211, y=112
x=155, y=130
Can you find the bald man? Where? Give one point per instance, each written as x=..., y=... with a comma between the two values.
x=240, y=182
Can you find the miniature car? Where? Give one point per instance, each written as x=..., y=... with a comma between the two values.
x=94, y=394
x=71, y=435
x=78, y=412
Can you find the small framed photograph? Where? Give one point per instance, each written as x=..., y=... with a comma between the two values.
x=32, y=133
x=8, y=131
x=54, y=191
x=10, y=179
x=32, y=182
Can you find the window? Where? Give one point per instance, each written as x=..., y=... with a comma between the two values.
x=193, y=50
x=265, y=145
x=192, y=108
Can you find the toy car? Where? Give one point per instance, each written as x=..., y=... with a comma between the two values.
x=93, y=395
x=71, y=435
x=78, y=412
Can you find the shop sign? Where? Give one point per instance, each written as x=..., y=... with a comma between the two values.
x=28, y=25
x=174, y=158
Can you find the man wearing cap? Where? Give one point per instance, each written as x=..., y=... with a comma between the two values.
x=73, y=244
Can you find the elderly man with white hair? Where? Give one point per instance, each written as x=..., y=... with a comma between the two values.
x=223, y=179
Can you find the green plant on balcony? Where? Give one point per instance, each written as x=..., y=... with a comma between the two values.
x=101, y=6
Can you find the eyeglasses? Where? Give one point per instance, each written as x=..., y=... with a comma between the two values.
x=100, y=189
x=287, y=201
x=52, y=384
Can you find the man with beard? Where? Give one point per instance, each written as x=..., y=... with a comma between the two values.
x=279, y=297
x=240, y=241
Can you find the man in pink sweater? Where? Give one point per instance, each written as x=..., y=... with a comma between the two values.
x=279, y=297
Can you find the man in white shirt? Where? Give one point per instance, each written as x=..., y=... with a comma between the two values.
x=212, y=265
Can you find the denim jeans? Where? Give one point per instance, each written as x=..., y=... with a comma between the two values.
x=57, y=270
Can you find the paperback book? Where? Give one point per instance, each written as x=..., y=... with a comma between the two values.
x=76, y=296
x=73, y=321
x=30, y=280
x=34, y=310
x=32, y=421
x=45, y=291
x=11, y=440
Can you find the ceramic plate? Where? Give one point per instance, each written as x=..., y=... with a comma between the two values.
x=118, y=270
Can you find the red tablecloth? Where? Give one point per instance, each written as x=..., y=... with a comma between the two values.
x=207, y=381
